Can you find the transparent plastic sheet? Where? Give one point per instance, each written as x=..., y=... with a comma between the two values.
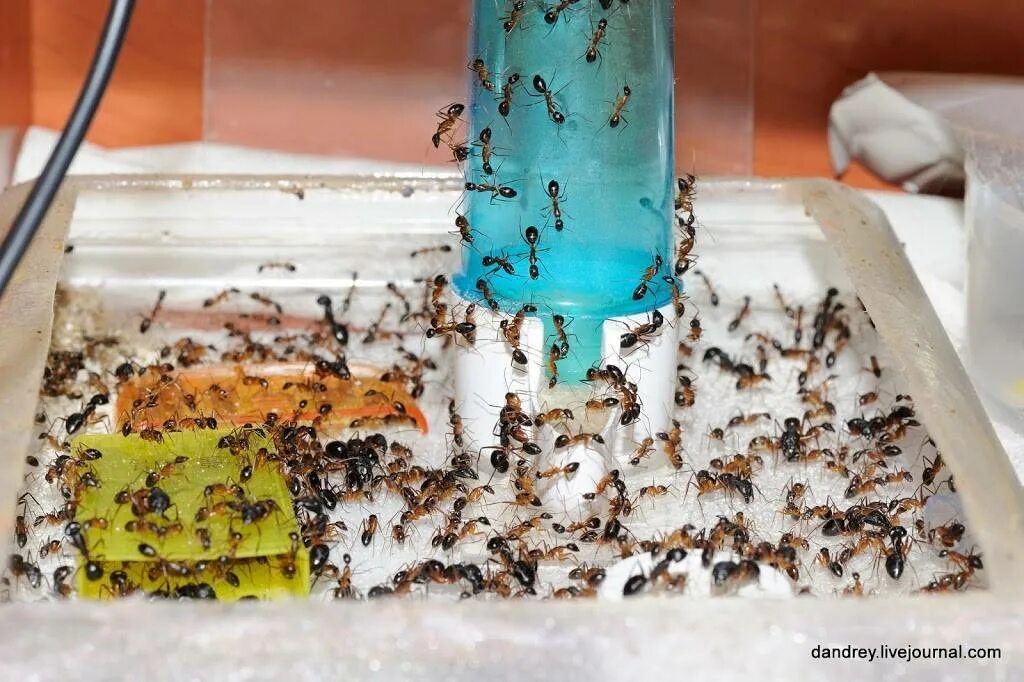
x=430, y=640
x=984, y=113
x=315, y=77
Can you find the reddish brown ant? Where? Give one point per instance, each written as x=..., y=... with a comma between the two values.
x=482, y=73
x=449, y=117
x=646, y=277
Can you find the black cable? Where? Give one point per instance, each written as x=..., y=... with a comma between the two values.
x=31, y=215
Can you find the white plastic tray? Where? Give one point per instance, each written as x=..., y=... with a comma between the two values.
x=423, y=640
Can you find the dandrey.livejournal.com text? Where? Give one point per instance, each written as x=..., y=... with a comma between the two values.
x=904, y=653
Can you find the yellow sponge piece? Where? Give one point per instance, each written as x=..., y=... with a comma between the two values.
x=175, y=515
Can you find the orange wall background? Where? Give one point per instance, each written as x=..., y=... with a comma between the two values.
x=156, y=94
x=756, y=76
x=15, y=81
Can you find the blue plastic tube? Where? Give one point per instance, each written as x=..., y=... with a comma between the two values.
x=571, y=134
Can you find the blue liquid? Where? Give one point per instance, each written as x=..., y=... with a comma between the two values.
x=615, y=183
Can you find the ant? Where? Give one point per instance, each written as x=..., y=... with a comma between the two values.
x=741, y=315
x=687, y=193
x=643, y=451
x=677, y=295
x=620, y=103
x=486, y=151
x=339, y=331
x=460, y=151
x=485, y=291
x=512, y=331
x=464, y=228
x=502, y=262
x=507, y=90
x=558, y=414
x=673, y=444
x=443, y=248
x=646, y=277
x=148, y=321
x=554, y=355
x=695, y=330
x=483, y=75
x=512, y=19
x=283, y=265
x=541, y=86
x=264, y=300
x=565, y=440
x=448, y=117
x=729, y=576
x=556, y=197
x=563, y=338
x=948, y=535
x=932, y=469
x=369, y=529
x=496, y=190
x=686, y=396
x=532, y=237
x=555, y=11
x=642, y=334
x=711, y=290
x=593, y=48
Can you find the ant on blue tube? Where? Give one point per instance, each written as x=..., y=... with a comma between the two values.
x=507, y=90
x=541, y=86
x=486, y=150
x=554, y=12
x=495, y=189
x=620, y=103
x=593, y=52
x=532, y=238
x=465, y=230
x=557, y=198
x=649, y=273
x=514, y=17
x=483, y=74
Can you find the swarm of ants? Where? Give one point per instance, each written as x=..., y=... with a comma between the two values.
x=792, y=448
x=820, y=470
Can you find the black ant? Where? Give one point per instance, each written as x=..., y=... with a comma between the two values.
x=502, y=262
x=555, y=11
x=532, y=237
x=541, y=86
x=557, y=197
x=495, y=190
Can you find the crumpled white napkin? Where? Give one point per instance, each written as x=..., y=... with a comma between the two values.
x=896, y=138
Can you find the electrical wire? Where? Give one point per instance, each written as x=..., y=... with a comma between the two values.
x=36, y=206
